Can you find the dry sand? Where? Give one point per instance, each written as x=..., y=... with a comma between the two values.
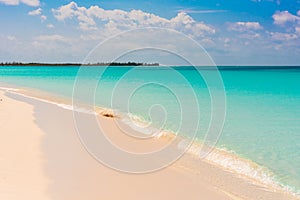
x=41, y=157
x=22, y=174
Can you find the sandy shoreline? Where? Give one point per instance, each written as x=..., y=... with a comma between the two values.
x=21, y=158
x=42, y=158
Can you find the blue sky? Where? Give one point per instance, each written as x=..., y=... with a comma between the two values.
x=244, y=32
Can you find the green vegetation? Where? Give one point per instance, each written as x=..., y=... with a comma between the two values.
x=79, y=64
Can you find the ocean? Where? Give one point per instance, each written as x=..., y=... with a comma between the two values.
x=262, y=122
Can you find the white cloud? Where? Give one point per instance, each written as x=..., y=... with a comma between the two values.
x=10, y=2
x=38, y=12
x=284, y=37
x=226, y=42
x=244, y=26
x=43, y=17
x=281, y=18
x=54, y=41
x=51, y=42
x=35, y=12
x=33, y=3
x=293, y=31
x=50, y=26
x=275, y=1
x=52, y=38
x=11, y=38
x=66, y=11
x=114, y=21
x=250, y=36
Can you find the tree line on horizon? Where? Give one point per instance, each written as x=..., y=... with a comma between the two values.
x=80, y=64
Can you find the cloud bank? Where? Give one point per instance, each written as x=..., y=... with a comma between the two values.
x=113, y=21
x=244, y=26
x=33, y=3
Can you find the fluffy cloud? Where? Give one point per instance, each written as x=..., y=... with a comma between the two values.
x=113, y=21
x=281, y=18
x=38, y=12
x=245, y=26
x=33, y=3
x=35, y=12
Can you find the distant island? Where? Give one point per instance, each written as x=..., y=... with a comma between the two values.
x=79, y=64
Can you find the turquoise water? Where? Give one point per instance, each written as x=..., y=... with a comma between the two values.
x=263, y=106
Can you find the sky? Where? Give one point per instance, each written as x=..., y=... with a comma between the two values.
x=232, y=32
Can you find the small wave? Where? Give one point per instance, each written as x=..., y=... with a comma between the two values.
x=7, y=89
x=140, y=124
x=61, y=105
x=230, y=161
